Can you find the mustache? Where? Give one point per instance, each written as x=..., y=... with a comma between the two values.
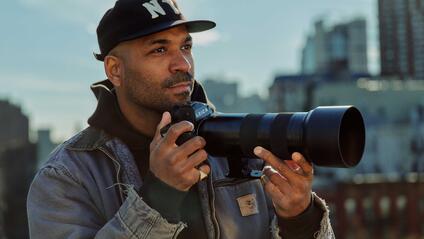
x=177, y=78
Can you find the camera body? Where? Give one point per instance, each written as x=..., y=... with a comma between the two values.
x=194, y=112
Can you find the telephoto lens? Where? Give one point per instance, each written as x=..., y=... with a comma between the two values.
x=329, y=136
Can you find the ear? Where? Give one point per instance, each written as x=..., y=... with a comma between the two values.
x=114, y=69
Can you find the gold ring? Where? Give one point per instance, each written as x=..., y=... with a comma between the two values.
x=202, y=175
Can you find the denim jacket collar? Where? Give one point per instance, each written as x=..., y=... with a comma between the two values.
x=88, y=140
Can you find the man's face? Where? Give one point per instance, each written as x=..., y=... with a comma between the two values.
x=158, y=70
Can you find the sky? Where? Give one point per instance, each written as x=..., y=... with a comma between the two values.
x=46, y=46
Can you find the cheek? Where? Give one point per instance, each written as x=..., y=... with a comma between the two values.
x=156, y=71
x=140, y=75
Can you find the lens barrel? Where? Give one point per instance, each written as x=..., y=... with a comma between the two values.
x=330, y=136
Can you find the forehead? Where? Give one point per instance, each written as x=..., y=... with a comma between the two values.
x=176, y=34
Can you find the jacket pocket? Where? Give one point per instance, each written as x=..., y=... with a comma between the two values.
x=241, y=208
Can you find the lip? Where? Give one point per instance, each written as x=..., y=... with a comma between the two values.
x=185, y=83
x=181, y=87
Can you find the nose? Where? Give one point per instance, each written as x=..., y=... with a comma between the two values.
x=180, y=63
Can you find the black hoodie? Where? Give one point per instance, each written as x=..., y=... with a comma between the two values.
x=184, y=206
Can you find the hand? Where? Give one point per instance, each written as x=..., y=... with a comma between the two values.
x=288, y=183
x=177, y=165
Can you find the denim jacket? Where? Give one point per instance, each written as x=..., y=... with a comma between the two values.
x=89, y=189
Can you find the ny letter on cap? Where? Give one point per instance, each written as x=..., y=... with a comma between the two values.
x=155, y=8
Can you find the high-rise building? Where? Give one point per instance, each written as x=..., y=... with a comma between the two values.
x=20, y=163
x=44, y=146
x=15, y=125
x=17, y=168
x=308, y=57
x=401, y=25
x=319, y=44
x=226, y=98
x=417, y=15
x=357, y=46
x=340, y=50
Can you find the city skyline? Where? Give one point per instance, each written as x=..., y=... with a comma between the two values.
x=49, y=66
x=264, y=56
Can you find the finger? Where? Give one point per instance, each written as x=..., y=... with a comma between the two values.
x=195, y=159
x=195, y=175
x=275, y=162
x=205, y=168
x=293, y=166
x=272, y=170
x=273, y=192
x=204, y=171
x=306, y=166
x=192, y=145
x=176, y=130
x=269, y=167
x=166, y=119
x=278, y=180
x=190, y=178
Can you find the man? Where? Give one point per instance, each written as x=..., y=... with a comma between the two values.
x=120, y=178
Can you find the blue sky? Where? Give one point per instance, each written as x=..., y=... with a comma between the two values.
x=46, y=46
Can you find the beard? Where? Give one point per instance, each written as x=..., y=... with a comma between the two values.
x=147, y=93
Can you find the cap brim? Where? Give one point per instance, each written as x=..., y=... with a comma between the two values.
x=199, y=25
x=192, y=26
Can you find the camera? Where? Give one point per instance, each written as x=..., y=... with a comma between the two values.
x=329, y=136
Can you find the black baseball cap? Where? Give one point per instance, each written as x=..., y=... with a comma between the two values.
x=131, y=19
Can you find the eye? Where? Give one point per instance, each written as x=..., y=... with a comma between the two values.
x=187, y=47
x=159, y=50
